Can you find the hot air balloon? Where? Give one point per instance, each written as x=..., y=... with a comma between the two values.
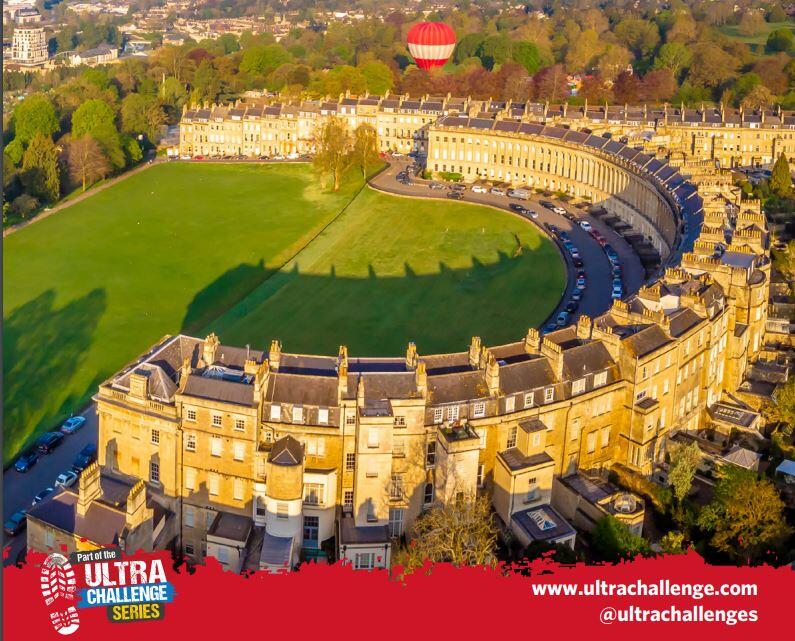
x=431, y=44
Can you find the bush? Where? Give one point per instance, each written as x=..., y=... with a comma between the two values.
x=613, y=541
x=24, y=205
x=450, y=175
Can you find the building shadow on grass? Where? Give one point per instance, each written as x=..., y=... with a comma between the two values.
x=377, y=314
x=223, y=293
x=43, y=349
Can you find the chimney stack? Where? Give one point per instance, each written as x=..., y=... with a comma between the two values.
x=88, y=489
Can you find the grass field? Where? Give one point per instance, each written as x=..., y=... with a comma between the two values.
x=733, y=31
x=393, y=270
x=168, y=249
x=184, y=247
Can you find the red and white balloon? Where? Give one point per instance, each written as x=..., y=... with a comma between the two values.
x=431, y=44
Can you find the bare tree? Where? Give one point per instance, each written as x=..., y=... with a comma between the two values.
x=86, y=161
x=461, y=532
x=365, y=148
x=332, y=150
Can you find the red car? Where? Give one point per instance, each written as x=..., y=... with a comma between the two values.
x=198, y=158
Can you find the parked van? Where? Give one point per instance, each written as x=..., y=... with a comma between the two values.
x=521, y=194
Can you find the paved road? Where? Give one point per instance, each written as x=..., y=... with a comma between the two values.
x=19, y=489
x=597, y=298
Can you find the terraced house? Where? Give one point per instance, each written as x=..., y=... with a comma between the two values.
x=728, y=137
x=265, y=457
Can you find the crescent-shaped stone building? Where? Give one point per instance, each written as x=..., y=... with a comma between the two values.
x=265, y=455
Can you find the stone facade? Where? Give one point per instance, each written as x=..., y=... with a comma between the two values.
x=313, y=448
x=725, y=137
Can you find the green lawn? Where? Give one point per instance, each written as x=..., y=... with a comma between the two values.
x=733, y=31
x=188, y=247
x=393, y=270
x=168, y=249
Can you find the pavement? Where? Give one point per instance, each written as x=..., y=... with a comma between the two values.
x=599, y=280
x=19, y=489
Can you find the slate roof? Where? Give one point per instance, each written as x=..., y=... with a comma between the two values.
x=233, y=527
x=515, y=460
x=219, y=390
x=586, y=359
x=450, y=388
x=302, y=389
x=286, y=451
x=350, y=534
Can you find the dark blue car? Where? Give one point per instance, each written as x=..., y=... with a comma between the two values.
x=26, y=461
x=86, y=456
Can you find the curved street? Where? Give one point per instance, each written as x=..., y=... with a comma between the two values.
x=597, y=298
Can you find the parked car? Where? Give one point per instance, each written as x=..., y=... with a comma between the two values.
x=49, y=442
x=563, y=319
x=618, y=292
x=435, y=186
x=455, y=195
x=533, y=214
x=521, y=194
x=550, y=327
x=71, y=425
x=26, y=460
x=561, y=212
x=548, y=205
x=577, y=294
x=578, y=262
x=66, y=479
x=564, y=235
x=479, y=189
x=497, y=191
x=572, y=306
x=517, y=208
x=85, y=457
x=458, y=187
x=15, y=523
x=581, y=282
x=586, y=225
x=42, y=495
x=575, y=253
x=198, y=157
x=553, y=230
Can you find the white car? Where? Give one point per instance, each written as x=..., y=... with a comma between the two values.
x=479, y=189
x=497, y=191
x=559, y=211
x=67, y=479
x=586, y=225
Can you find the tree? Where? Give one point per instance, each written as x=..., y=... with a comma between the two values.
x=550, y=84
x=711, y=66
x=96, y=118
x=780, y=40
x=674, y=56
x=557, y=552
x=613, y=541
x=365, y=148
x=378, y=77
x=527, y=54
x=35, y=114
x=639, y=36
x=583, y=51
x=784, y=396
x=494, y=50
x=264, y=59
x=40, y=169
x=746, y=515
x=461, y=532
x=86, y=161
x=14, y=152
x=751, y=24
x=142, y=114
x=673, y=543
x=332, y=150
x=684, y=464
x=467, y=47
x=780, y=177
